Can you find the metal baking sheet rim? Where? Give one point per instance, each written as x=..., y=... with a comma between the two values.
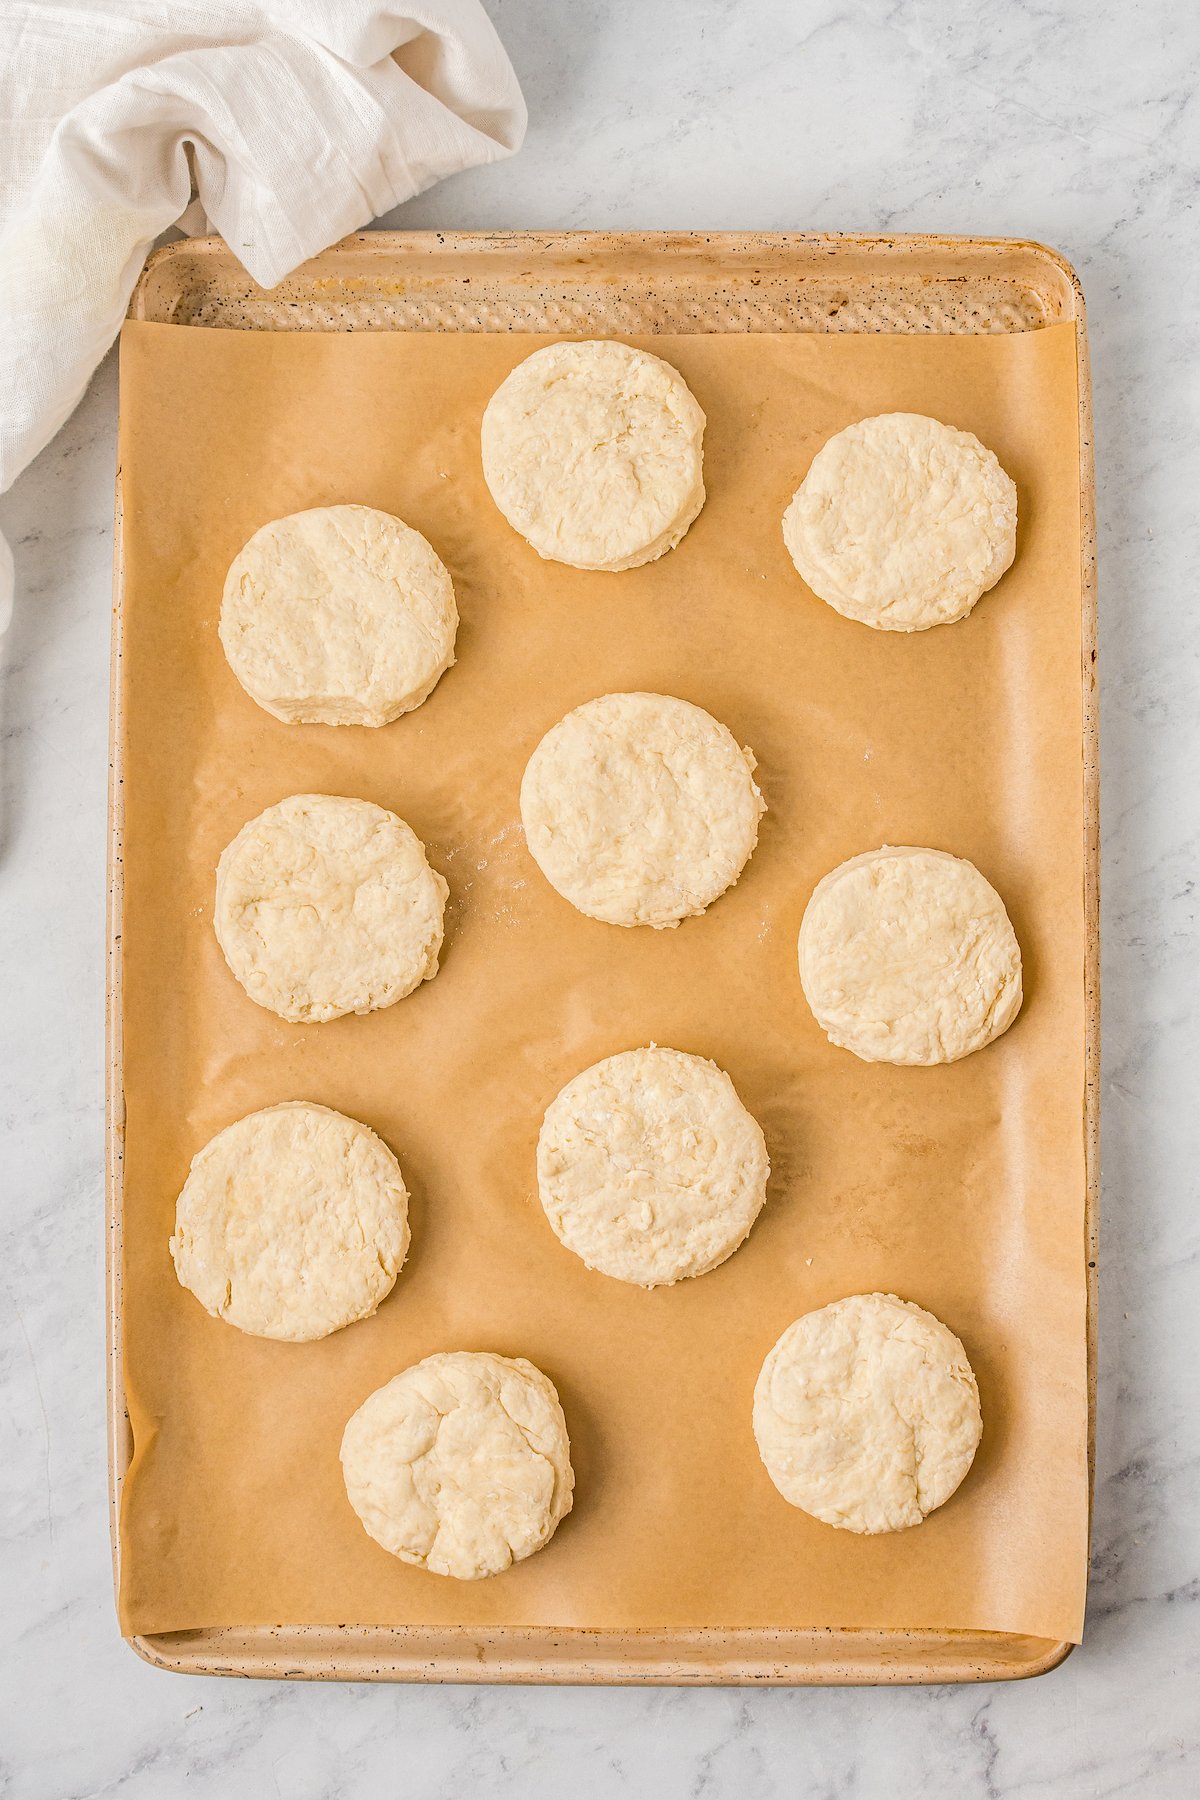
x=832, y=1657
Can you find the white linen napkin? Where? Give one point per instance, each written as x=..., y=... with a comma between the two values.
x=306, y=119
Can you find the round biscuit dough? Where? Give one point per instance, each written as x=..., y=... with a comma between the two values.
x=342, y=615
x=461, y=1464
x=866, y=1414
x=908, y=956
x=292, y=1223
x=640, y=809
x=327, y=906
x=594, y=453
x=902, y=522
x=650, y=1168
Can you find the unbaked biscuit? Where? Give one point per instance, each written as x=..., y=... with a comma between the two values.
x=342, y=615
x=902, y=522
x=292, y=1223
x=594, y=453
x=908, y=956
x=640, y=809
x=866, y=1414
x=650, y=1168
x=327, y=906
x=461, y=1464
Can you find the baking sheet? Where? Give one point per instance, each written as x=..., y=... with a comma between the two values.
x=962, y=1188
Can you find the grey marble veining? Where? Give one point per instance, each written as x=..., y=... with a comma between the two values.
x=1073, y=121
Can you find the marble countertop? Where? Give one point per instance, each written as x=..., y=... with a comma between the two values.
x=1071, y=121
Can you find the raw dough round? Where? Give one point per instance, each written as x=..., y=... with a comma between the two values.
x=908, y=956
x=327, y=906
x=593, y=452
x=640, y=809
x=866, y=1413
x=292, y=1223
x=902, y=522
x=461, y=1464
x=342, y=615
x=650, y=1168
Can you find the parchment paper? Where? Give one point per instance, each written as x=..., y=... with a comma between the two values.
x=961, y=1188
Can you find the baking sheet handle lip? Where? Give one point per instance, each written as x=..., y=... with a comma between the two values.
x=479, y=239
x=170, y=1652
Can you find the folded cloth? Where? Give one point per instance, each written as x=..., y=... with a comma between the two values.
x=305, y=120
